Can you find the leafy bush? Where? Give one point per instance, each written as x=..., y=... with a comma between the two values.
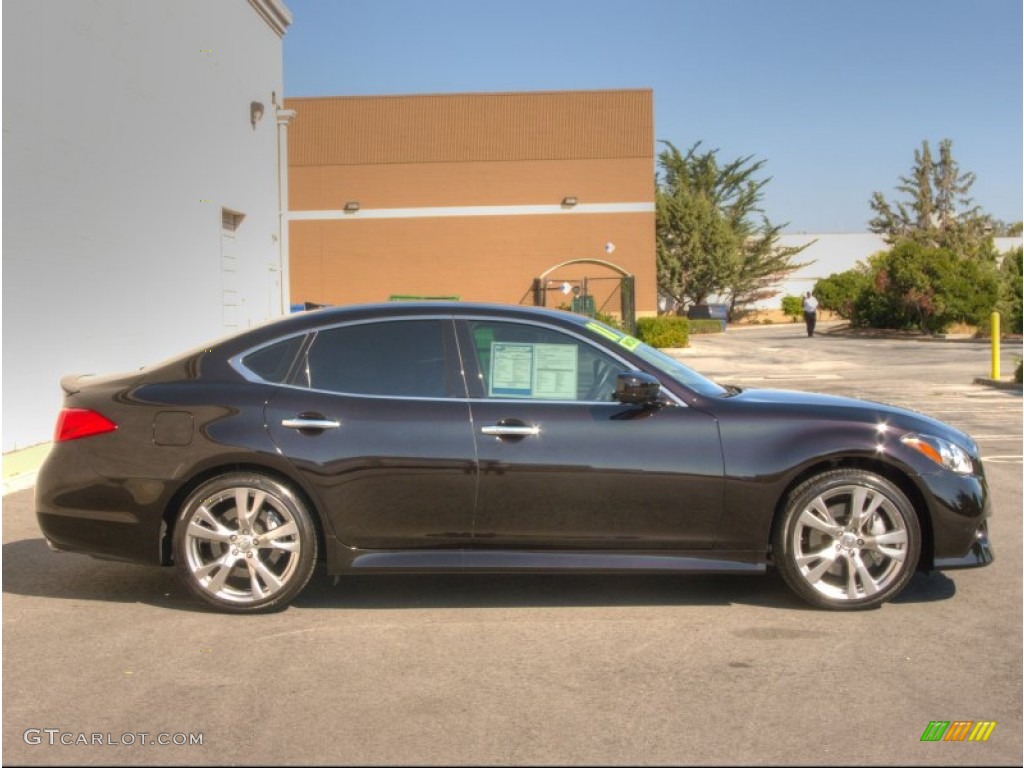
x=839, y=292
x=793, y=306
x=913, y=286
x=700, y=327
x=935, y=287
x=1011, y=288
x=878, y=309
x=665, y=331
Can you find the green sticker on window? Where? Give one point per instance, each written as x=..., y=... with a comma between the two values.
x=608, y=333
x=629, y=343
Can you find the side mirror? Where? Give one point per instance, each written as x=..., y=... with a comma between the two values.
x=637, y=388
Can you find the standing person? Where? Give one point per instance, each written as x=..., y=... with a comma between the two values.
x=810, y=312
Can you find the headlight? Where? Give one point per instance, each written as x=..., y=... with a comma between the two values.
x=949, y=455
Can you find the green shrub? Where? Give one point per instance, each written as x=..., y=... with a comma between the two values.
x=1011, y=289
x=793, y=306
x=914, y=286
x=882, y=309
x=698, y=327
x=839, y=292
x=664, y=331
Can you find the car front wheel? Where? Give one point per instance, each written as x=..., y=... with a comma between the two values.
x=245, y=543
x=848, y=539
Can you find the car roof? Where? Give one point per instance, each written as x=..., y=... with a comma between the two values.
x=391, y=308
x=313, y=318
x=302, y=322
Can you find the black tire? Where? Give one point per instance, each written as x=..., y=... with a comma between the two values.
x=847, y=540
x=253, y=562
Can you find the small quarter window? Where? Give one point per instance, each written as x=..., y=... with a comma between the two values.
x=272, y=363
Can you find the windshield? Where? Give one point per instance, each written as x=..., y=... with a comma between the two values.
x=681, y=373
x=668, y=365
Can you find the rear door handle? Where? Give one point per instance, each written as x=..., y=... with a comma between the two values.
x=503, y=430
x=301, y=422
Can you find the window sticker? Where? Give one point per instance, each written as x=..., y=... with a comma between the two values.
x=535, y=371
x=608, y=333
x=511, y=370
x=619, y=338
x=556, y=375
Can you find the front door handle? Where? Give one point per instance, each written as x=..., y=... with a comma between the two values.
x=304, y=422
x=510, y=430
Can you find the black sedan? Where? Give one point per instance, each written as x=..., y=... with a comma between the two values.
x=453, y=437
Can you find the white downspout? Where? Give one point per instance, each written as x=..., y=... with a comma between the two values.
x=284, y=117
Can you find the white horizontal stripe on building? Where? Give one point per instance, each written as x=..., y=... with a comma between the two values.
x=471, y=210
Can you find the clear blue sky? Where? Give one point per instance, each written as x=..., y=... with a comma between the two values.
x=834, y=94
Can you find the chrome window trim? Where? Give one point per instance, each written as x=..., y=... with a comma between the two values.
x=235, y=361
x=238, y=366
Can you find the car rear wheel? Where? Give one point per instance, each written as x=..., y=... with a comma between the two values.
x=245, y=543
x=848, y=539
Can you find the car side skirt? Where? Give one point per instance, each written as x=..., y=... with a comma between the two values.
x=344, y=560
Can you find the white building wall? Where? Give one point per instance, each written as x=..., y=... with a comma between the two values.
x=126, y=130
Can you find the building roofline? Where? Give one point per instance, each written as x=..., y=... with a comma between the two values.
x=275, y=13
x=483, y=94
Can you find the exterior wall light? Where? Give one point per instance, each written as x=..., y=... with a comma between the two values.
x=255, y=112
x=351, y=206
x=569, y=202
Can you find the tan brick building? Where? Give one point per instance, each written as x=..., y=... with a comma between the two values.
x=472, y=195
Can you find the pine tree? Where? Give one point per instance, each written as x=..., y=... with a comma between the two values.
x=937, y=210
x=708, y=240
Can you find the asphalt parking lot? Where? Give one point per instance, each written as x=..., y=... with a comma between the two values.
x=543, y=669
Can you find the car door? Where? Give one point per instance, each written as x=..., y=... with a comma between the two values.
x=377, y=423
x=564, y=466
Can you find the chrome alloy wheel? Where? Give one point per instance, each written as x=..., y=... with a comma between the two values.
x=850, y=543
x=244, y=542
x=849, y=539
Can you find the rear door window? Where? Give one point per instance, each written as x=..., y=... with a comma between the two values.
x=404, y=358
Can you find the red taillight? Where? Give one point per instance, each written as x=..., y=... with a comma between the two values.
x=74, y=423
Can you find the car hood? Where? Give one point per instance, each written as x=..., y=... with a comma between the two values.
x=835, y=406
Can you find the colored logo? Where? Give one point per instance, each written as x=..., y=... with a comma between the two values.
x=958, y=730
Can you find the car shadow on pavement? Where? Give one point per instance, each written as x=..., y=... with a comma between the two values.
x=540, y=590
x=30, y=569
x=927, y=588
